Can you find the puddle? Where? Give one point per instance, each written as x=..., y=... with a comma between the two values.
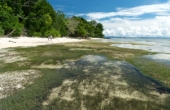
x=94, y=58
x=163, y=58
x=94, y=76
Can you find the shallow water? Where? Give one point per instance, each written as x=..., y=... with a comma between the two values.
x=94, y=74
x=159, y=45
x=151, y=48
x=94, y=58
x=163, y=58
x=127, y=70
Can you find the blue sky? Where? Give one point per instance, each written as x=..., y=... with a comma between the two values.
x=134, y=18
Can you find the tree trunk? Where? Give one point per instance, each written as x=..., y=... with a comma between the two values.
x=9, y=33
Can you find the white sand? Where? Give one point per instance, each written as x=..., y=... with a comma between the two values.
x=29, y=41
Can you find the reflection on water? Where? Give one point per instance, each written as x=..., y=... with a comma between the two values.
x=152, y=48
x=159, y=45
x=94, y=58
x=164, y=58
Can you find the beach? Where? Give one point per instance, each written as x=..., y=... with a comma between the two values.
x=93, y=72
x=33, y=41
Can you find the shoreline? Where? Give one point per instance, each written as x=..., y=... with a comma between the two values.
x=33, y=41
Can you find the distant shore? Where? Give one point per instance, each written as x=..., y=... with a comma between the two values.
x=33, y=41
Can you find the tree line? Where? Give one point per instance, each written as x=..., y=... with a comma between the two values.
x=38, y=18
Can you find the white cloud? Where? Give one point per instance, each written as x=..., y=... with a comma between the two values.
x=135, y=11
x=152, y=31
x=129, y=21
x=155, y=27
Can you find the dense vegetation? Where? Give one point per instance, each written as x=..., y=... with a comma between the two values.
x=38, y=18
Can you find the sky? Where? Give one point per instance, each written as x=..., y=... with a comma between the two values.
x=122, y=18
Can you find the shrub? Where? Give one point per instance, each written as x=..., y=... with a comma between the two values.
x=18, y=30
x=53, y=32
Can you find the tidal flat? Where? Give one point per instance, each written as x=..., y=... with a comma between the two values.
x=82, y=76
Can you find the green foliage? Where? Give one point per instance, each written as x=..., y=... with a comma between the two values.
x=1, y=31
x=81, y=28
x=99, y=30
x=8, y=20
x=39, y=18
x=37, y=34
x=18, y=30
x=60, y=23
x=86, y=29
x=47, y=19
x=52, y=32
x=71, y=24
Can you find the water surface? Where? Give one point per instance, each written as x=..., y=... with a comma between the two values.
x=163, y=58
x=94, y=79
x=159, y=45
